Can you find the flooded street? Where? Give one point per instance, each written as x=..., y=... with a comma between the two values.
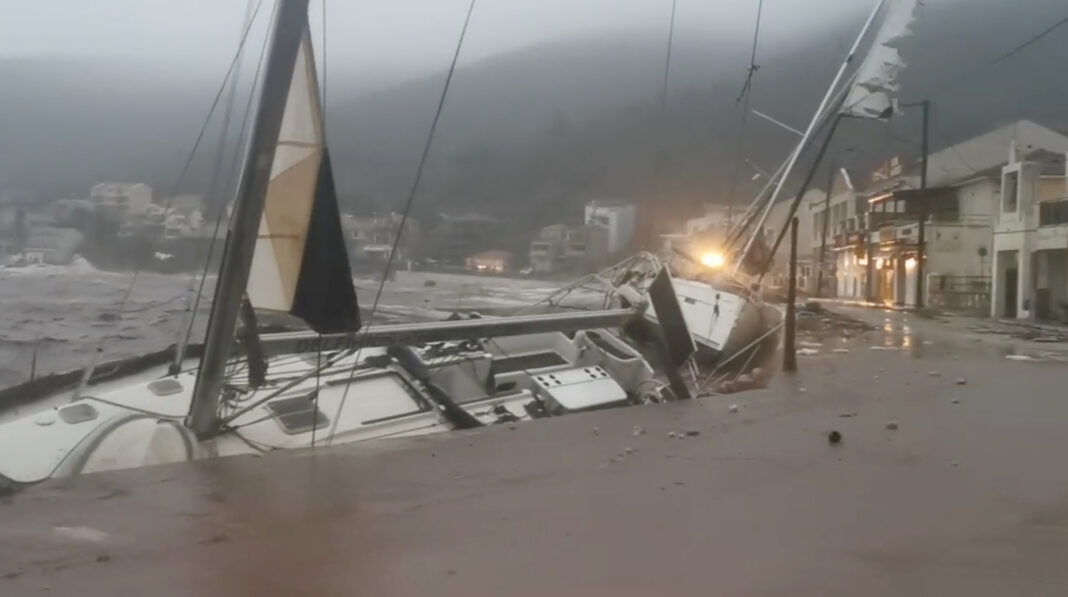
x=945, y=481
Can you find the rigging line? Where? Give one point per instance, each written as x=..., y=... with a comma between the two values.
x=660, y=149
x=213, y=192
x=404, y=215
x=753, y=66
x=319, y=343
x=91, y=365
x=318, y=384
x=667, y=59
x=323, y=85
x=744, y=98
x=180, y=350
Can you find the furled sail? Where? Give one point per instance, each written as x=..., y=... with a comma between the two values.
x=300, y=265
x=874, y=93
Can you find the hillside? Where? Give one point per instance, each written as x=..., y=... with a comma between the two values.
x=533, y=133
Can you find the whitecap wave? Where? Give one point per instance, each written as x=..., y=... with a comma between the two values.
x=78, y=266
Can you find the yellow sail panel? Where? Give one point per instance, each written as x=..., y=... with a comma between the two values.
x=287, y=210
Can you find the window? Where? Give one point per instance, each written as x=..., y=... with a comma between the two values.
x=1010, y=185
x=1053, y=213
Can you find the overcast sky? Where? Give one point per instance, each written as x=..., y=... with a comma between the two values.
x=380, y=40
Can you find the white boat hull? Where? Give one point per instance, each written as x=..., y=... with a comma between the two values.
x=721, y=322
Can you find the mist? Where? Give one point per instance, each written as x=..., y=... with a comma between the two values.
x=553, y=103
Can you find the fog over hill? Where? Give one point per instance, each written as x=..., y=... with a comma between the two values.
x=532, y=133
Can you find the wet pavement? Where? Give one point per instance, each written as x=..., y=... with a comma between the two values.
x=936, y=488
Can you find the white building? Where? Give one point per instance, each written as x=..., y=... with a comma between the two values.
x=957, y=242
x=183, y=224
x=876, y=233
x=1031, y=240
x=130, y=198
x=617, y=218
x=836, y=237
x=778, y=219
x=716, y=219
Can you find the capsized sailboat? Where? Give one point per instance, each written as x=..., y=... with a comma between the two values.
x=342, y=382
x=723, y=318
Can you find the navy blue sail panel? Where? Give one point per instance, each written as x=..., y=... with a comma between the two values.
x=325, y=297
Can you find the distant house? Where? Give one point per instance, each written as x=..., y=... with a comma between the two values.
x=491, y=262
x=616, y=217
x=564, y=248
x=55, y=246
x=372, y=238
x=458, y=237
x=183, y=223
x=127, y=198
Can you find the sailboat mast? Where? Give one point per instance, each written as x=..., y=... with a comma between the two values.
x=287, y=28
x=816, y=118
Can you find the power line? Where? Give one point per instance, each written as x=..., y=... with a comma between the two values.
x=1029, y=42
x=1002, y=58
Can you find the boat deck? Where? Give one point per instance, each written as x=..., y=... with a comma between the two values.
x=964, y=498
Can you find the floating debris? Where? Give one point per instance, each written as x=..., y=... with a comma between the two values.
x=892, y=425
x=956, y=401
x=834, y=438
x=693, y=432
x=934, y=374
x=672, y=434
x=733, y=408
x=801, y=390
x=808, y=352
x=628, y=450
x=597, y=431
x=1019, y=357
x=847, y=415
x=961, y=381
x=954, y=463
x=638, y=431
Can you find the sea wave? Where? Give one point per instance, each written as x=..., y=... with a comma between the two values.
x=79, y=266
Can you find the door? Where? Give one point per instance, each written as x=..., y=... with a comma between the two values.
x=1012, y=276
